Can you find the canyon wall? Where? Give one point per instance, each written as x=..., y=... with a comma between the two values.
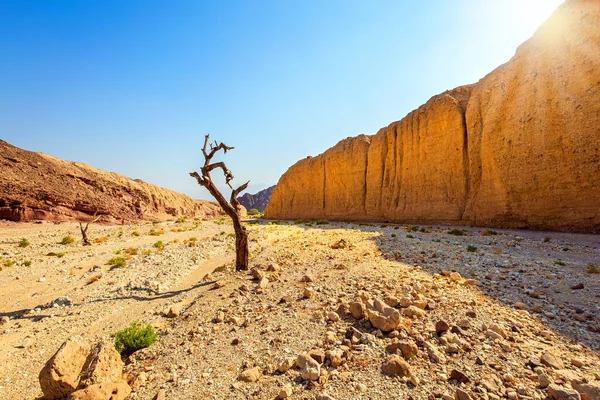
x=36, y=186
x=519, y=149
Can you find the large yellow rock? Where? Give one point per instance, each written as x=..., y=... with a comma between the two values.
x=520, y=148
x=61, y=374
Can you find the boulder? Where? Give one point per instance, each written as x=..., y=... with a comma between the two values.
x=61, y=375
x=383, y=317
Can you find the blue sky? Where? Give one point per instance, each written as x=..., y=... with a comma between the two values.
x=133, y=86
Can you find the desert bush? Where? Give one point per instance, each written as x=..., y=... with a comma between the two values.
x=547, y=239
x=253, y=211
x=24, y=243
x=159, y=245
x=27, y=263
x=8, y=263
x=560, y=262
x=180, y=220
x=409, y=236
x=131, y=251
x=457, y=232
x=117, y=262
x=135, y=233
x=134, y=338
x=67, y=240
x=592, y=269
x=471, y=248
x=322, y=222
x=393, y=235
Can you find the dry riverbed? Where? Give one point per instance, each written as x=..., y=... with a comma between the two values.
x=484, y=314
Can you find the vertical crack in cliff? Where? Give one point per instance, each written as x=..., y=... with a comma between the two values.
x=364, y=194
x=324, y=185
x=466, y=163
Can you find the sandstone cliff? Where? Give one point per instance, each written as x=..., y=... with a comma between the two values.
x=520, y=148
x=35, y=186
x=258, y=200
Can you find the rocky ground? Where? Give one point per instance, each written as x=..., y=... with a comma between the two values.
x=341, y=311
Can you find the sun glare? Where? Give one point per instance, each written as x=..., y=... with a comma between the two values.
x=528, y=15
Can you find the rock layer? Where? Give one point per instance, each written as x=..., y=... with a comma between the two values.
x=36, y=186
x=520, y=148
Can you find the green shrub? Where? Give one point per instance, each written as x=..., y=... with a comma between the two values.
x=457, y=232
x=253, y=211
x=24, y=243
x=322, y=222
x=67, y=240
x=547, y=239
x=471, y=249
x=135, y=233
x=117, y=262
x=159, y=245
x=134, y=338
x=409, y=236
x=180, y=220
x=560, y=262
x=8, y=263
x=27, y=263
x=393, y=235
x=193, y=239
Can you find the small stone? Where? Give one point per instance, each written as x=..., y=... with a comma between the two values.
x=161, y=395
x=324, y=396
x=333, y=316
x=357, y=310
x=587, y=391
x=285, y=392
x=310, y=368
x=396, y=366
x=308, y=293
x=544, y=380
x=4, y=320
x=459, y=376
x=317, y=355
x=336, y=357
x=308, y=278
x=263, y=283
x=556, y=392
x=257, y=274
x=217, y=285
x=284, y=364
x=415, y=312
x=550, y=360
x=579, y=286
x=250, y=375
x=520, y=306
x=441, y=327
x=274, y=268
x=461, y=395
x=174, y=311
x=220, y=317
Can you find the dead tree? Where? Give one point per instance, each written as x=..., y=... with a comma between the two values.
x=231, y=208
x=95, y=218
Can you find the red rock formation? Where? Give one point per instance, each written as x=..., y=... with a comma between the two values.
x=520, y=148
x=35, y=186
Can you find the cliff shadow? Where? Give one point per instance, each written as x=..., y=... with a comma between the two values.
x=553, y=275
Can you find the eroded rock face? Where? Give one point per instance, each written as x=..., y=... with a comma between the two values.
x=520, y=148
x=36, y=186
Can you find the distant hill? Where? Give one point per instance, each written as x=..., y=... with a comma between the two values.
x=258, y=200
x=36, y=186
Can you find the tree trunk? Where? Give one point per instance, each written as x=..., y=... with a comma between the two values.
x=241, y=246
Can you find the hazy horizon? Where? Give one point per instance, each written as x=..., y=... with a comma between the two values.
x=132, y=87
